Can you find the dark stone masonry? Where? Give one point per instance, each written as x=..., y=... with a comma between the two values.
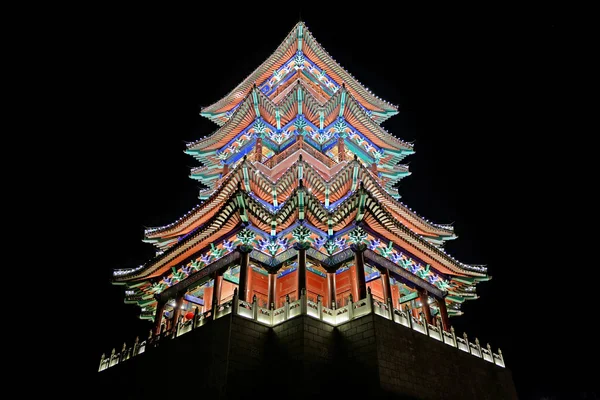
x=370, y=357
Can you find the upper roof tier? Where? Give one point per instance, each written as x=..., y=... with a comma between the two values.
x=299, y=55
x=284, y=109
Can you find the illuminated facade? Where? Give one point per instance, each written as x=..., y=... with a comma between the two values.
x=301, y=215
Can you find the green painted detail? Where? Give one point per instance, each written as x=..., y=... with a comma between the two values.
x=242, y=207
x=355, y=177
x=213, y=115
x=463, y=279
x=301, y=205
x=423, y=272
x=400, y=152
x=358, y=236
x=255, y=100
x=259, y=270
x=321, y=119
x=300, y=168
x=300, y=37
x=301, y=233
x=273, y=227
x=393, y=175
x=199, y=153
x=246, y=236
x=300, y=125
x=273, y=247
x=327, y=196
x=315, y=271
x=278, y=118
x=482, y=278
x=208, y=178
x=148, y=317
x=442, y=284
x=361, y=206
x=409, y=297
x=330, y=246
x=135, y=285
x=456, y=299
x=343, y=102
x=340, y=126
x=246, y=178
x=216, y=252
x=359, y=152
x=231, y=278
x=274, y=192
x=144, y=303
x=300, y=97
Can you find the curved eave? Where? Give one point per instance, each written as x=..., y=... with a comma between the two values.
x=220, y=224
x=284, y=51
x=380, y=109
x=340, y=184
x=246, y=114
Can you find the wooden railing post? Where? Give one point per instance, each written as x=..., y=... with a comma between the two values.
x=319, y=308
x=101, y=362
x=136, y=346
x=453, y=336
x=254, y=308
x=350, y=307
x=286, y=307
x=236, y=304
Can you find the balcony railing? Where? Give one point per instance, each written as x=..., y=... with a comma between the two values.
x=303, y=306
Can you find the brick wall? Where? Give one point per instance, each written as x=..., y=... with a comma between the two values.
x=407, y=362
x=233, y=357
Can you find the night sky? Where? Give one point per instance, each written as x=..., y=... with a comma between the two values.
x=476, y=95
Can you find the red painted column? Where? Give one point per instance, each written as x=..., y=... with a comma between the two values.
x=272, y=289
x=225, y=170
x=444, y=314
x=425, y=304
x=258, y=150
x=301, y=247
x=244, y=280
x=158, y=316
x=374, y=169
x=341, y=149
x=359, y=260
x=216, y=294
x=300, y=141
x=177, y=309
x=385, y=283
x=330, y=288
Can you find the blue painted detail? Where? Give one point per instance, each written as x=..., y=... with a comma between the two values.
x=333, y=205
x=268, y=88
x=342, y=269
x=330, y=144
x=354, y=131
x=245, y=150
x=193, y=299
x=267, y=205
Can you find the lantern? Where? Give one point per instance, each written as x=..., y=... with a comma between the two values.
x=189, y=315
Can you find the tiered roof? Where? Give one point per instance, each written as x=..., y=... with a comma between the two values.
x=323, y=161
x=299, y=40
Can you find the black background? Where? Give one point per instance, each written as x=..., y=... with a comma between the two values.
x=479, y=92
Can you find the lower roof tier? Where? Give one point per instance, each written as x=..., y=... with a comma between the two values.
x=273, y=186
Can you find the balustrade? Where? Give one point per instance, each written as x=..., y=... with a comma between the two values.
x=303, y=306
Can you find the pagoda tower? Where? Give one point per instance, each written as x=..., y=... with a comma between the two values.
x=300, y=257
x=300, y=197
